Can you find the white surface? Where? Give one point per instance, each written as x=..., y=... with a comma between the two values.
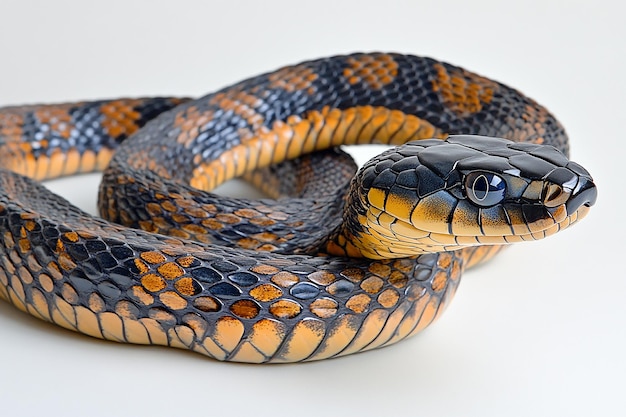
x=540, y=331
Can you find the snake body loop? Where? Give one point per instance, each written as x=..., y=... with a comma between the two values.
x=242, y=280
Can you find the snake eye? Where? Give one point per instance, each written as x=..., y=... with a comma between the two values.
x=485, y=188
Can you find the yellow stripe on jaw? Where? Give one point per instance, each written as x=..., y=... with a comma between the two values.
x=433, y=211
x=494, y=221
x=401, y=208
x=465, y=219
x=385, y=236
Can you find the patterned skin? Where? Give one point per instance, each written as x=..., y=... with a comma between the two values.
x=413, y=219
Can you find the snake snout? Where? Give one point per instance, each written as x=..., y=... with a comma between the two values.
x=584, y=194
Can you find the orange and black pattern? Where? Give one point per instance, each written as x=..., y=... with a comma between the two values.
x=129, y=286
x=48, y=141
x=248, y=289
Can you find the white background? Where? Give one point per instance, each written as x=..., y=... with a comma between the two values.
x=540, y=331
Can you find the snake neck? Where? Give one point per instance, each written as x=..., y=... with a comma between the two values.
x=352, y=238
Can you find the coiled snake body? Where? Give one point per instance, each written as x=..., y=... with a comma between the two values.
x=339, y=266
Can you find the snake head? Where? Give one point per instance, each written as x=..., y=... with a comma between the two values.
x=434, y=195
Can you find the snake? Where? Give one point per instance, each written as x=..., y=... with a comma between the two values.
x=331, y=262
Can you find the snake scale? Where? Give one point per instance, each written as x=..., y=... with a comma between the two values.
x=331, y=265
